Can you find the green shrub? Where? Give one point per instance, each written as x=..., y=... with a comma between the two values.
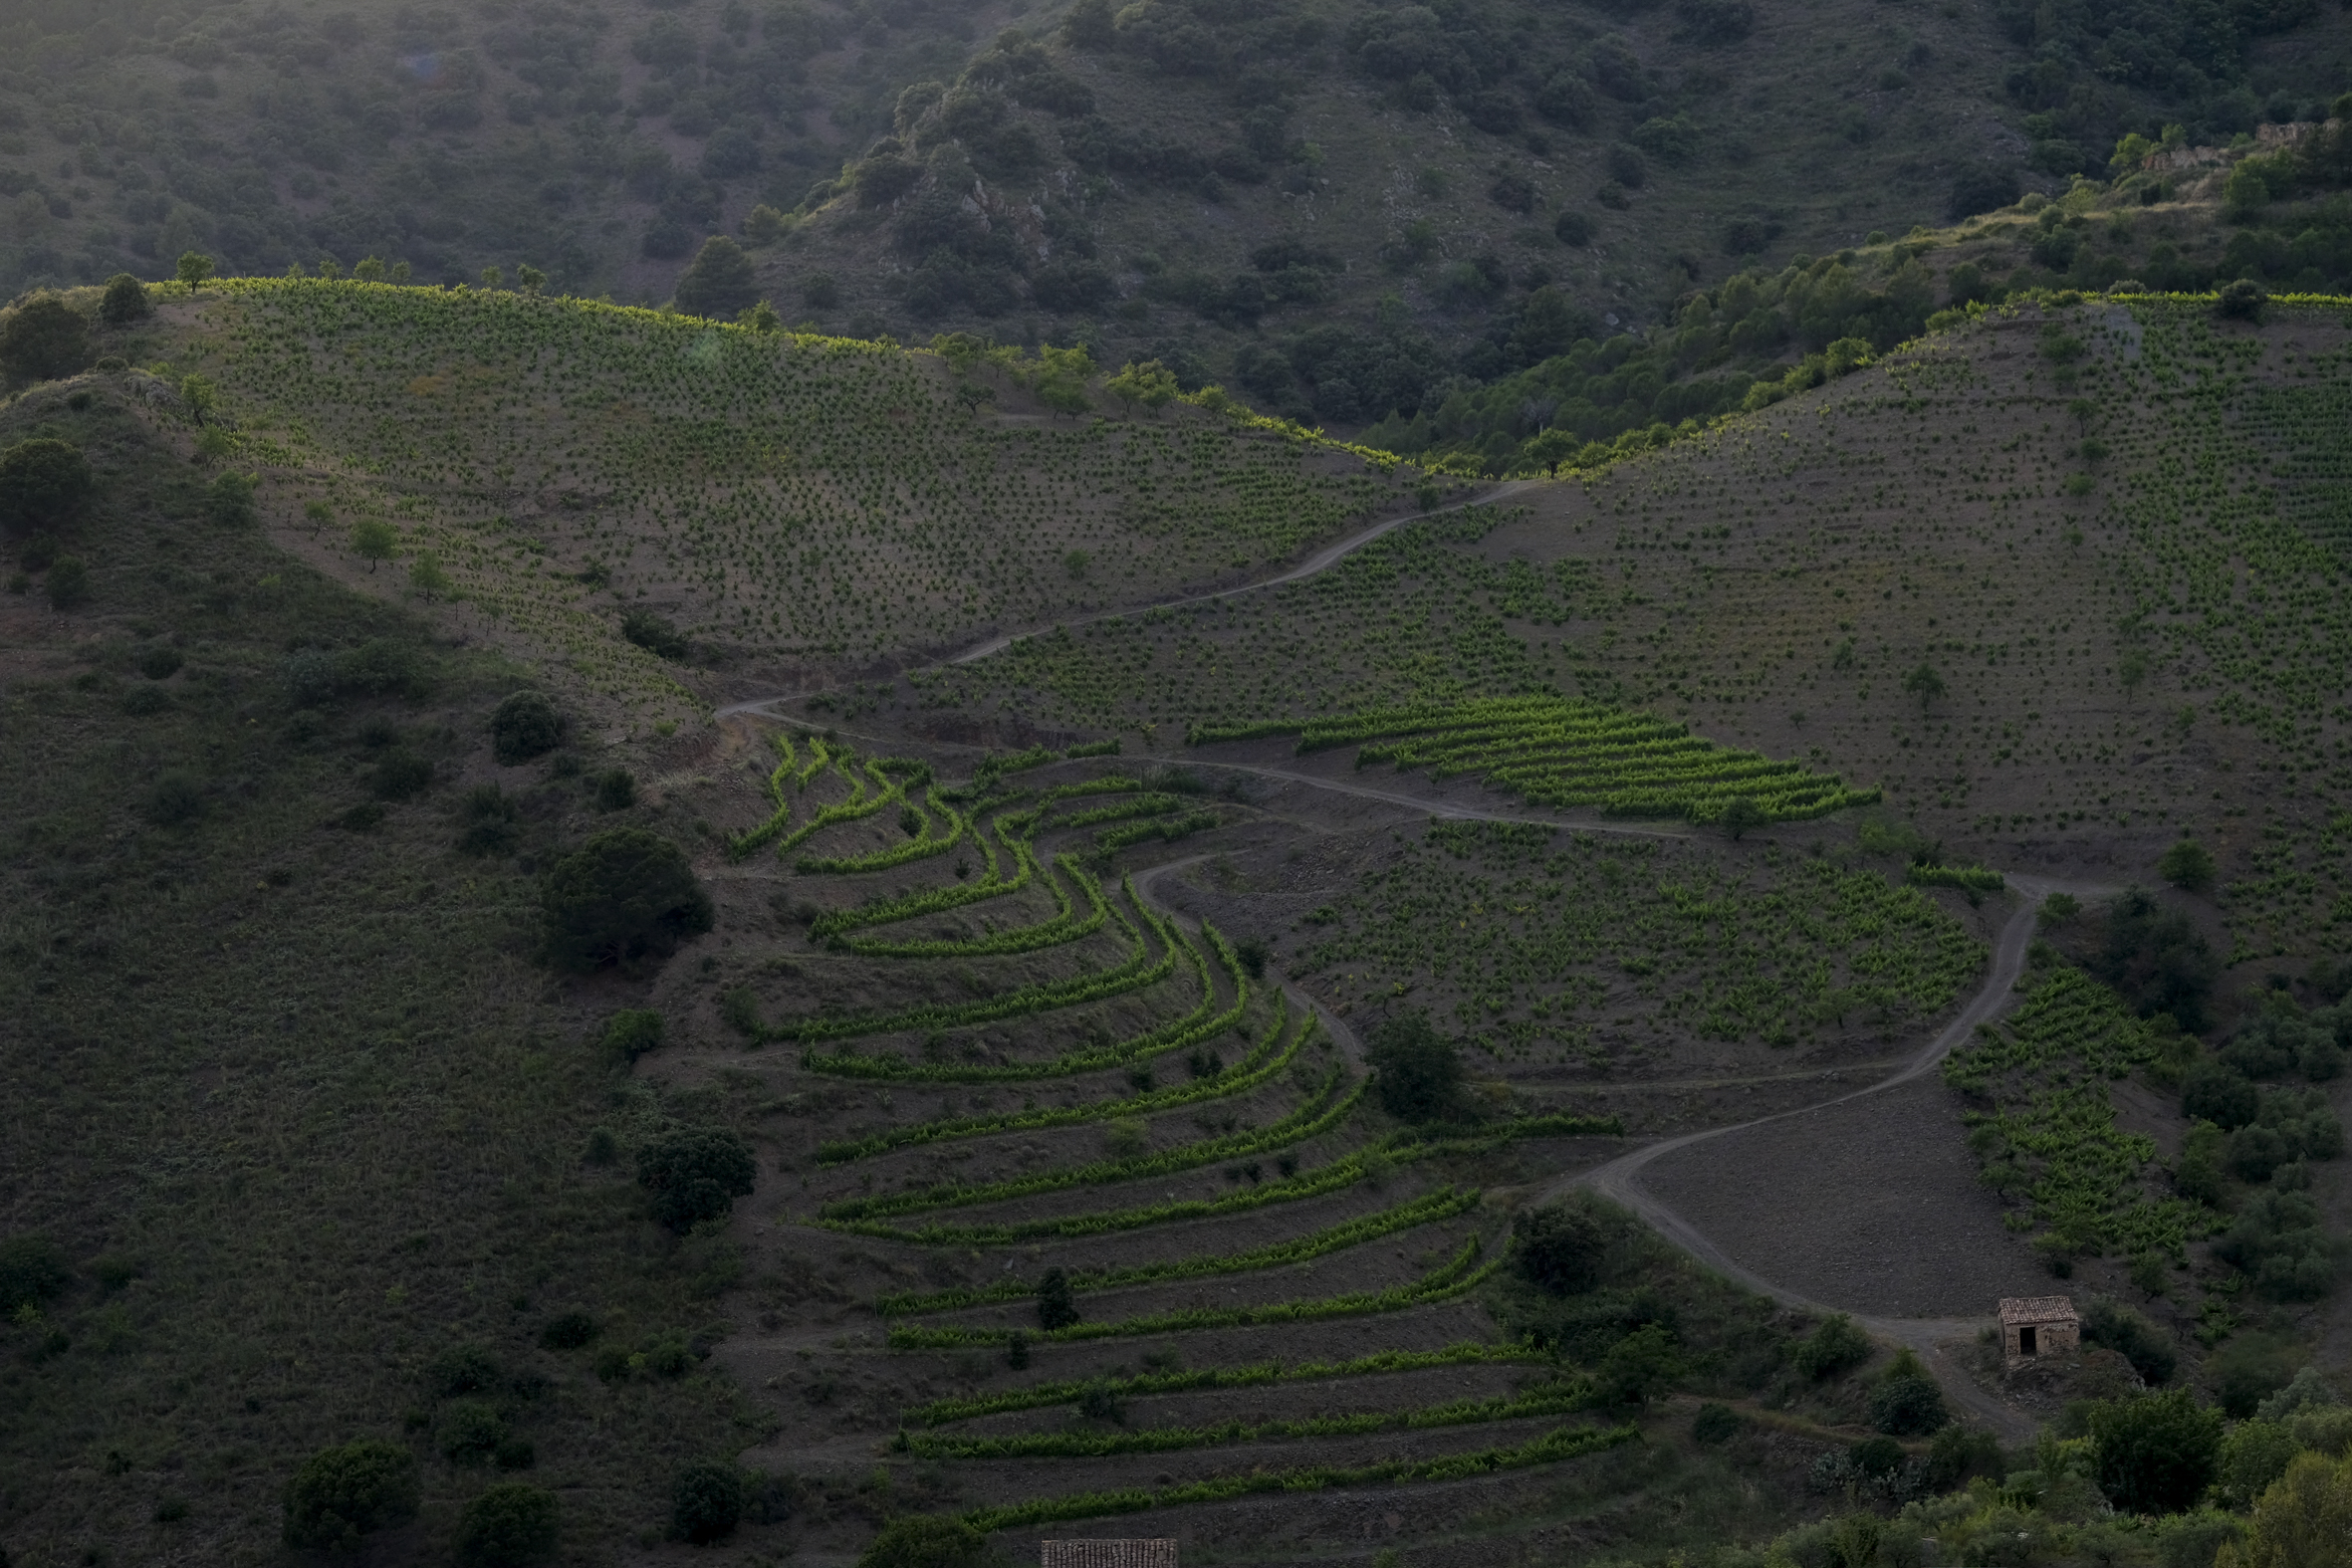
x=341, y=1494
x=1420, y=1071
x=695, y=1174
x=1560, y=1247
x=655, y=635
x=490, y=822
x=126, y=301
x=1055, y=1308
x=1836, y=1346
x=2216, y=1092
x=2156, y=1454
x=464, y=1368
x=2147, y=1347
x=624, y=896
x=615, y=790
x=524, y=725
x=469, y=1432
x=43, y=339
x=917, y=1541
x=228, y=502
x=158, y=661
x=1907, y=1403
x=1715, y=1424
x=632, y=1032
x=568, y=1331
x=739, y=1007
x=706, y=1503
x=510, y=1525
x=401, y=776
x=32, y=1270
x=2187, y=865
x=1643, y=1363
x=1960, y=1452
x=2254, y=1454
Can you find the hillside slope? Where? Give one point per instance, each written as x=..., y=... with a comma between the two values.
x=2111, y=530
x=789, y=502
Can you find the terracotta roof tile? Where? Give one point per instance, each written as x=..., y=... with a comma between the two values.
x=2017, y=1310
x=1100, y=1553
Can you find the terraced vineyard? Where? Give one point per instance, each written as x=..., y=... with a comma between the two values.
x=1091, y=1130
x=1226, y=1139
x=562, y=460
x=1556, y=753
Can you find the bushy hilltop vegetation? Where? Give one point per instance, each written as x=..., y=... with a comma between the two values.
x=1172, y=174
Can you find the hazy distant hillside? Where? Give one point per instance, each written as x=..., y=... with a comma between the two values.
x=1182, y=176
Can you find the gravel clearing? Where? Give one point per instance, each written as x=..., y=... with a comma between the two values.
x=1872, y=1206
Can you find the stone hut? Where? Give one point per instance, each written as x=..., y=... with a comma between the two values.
x=1108, y=1553
x=2038, y=1326
x=1113, y=1552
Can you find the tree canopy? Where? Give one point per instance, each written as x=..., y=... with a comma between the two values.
x=43, y=481
x=43, y=339
x=719, y=282
x=624, y=896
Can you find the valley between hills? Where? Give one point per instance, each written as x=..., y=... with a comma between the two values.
x=635, y=938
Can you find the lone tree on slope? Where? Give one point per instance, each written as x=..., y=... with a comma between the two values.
x=719, y=282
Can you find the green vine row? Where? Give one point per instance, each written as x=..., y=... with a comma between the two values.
x=1337, y=1176
x=1457, y=1277
x=1200, y=1024
x=1427, y=1209
x=1319, y=1115
x=1137, y=969
x=922, y=846
x=1567, y=1443
x=1038, y=1396
x=1560, y=1401
x=1246, y=1073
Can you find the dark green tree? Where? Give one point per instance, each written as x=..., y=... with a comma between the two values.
x=719, y=282
x=1643, y=1363
x=126, y=301
x=2187, y=865
x=1090, y=26
x=1560, y=1247
x=194, y=267
x=706, y=1503
x=1741, y=815
x=655, y=634
x=43, y=339
x=43, y=483
x=695, y=1174
x=924, y=1541
x=1836, y=1346
x=526, y=725
x=623, y=897
x=1925, y=684
x=341, y=1494
x=510, y=1525
x=1056, y=1309
x=2157, y=1453
x=1420, y=1071
x=632, y=1032
x=1907, y=1403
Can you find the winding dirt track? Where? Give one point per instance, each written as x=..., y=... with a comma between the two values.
x=1322, y=560
x=1931, y=1339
